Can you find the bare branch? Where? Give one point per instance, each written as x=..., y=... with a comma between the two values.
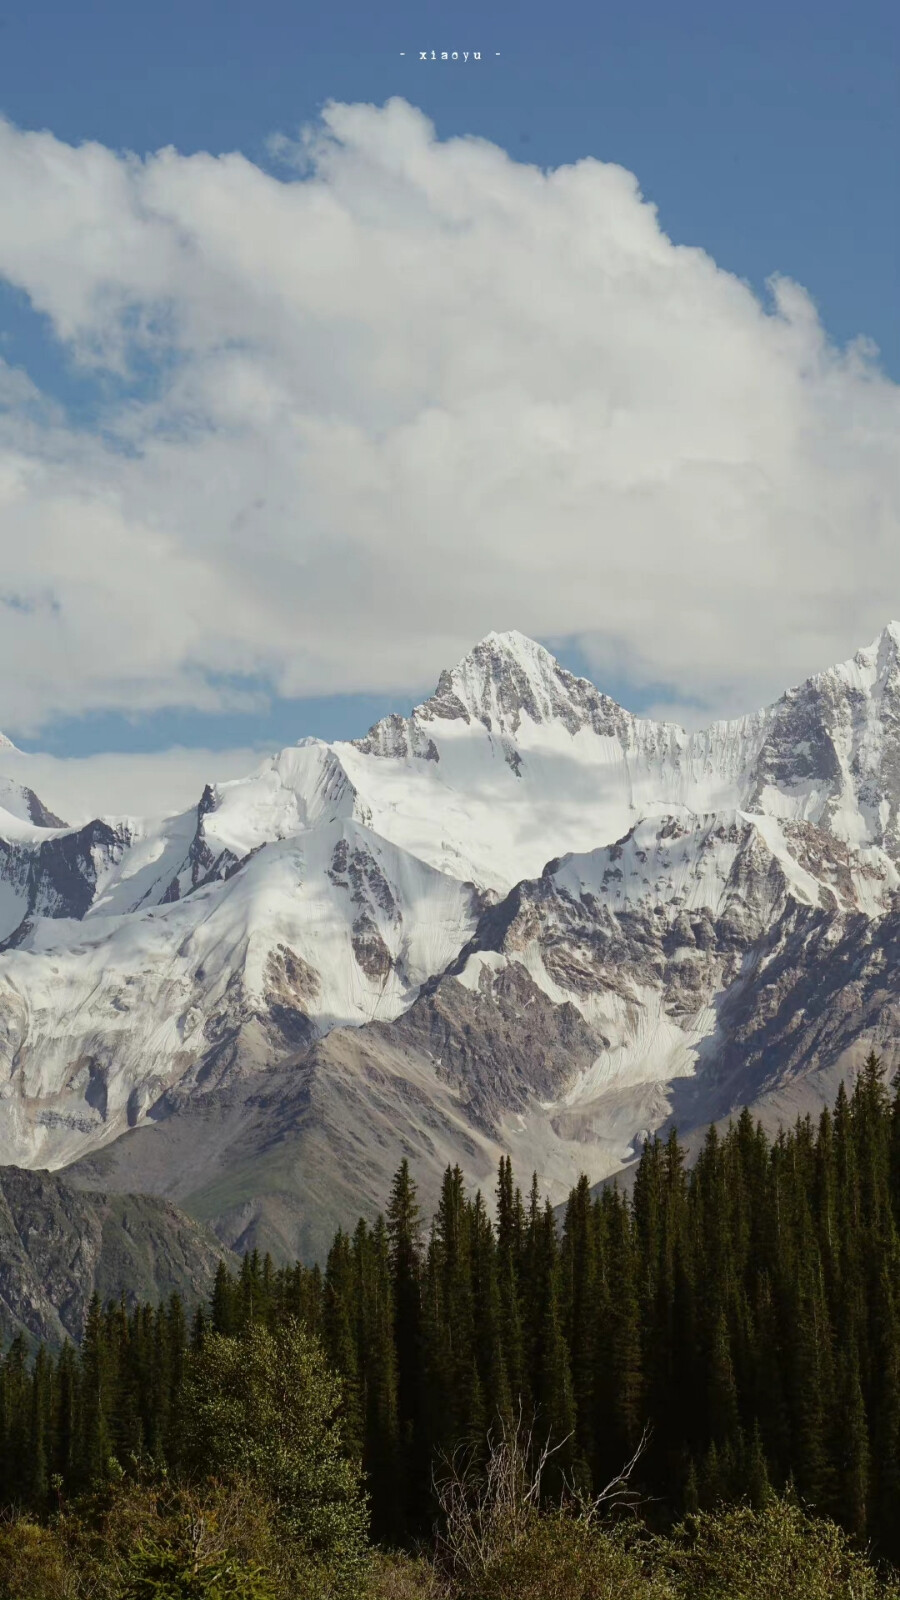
x=487, y=1504
x=618, y=1494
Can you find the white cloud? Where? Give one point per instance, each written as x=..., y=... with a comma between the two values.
x=413, y=393
x=157, y=784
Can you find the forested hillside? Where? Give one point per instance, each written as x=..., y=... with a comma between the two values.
x=745, y=1313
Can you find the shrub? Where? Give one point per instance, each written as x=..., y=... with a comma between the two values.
x=393, y=1575
x=155, y=1541
x=33, y=1563
x=263, y=1408
x=564, y=1557
x=179, y=1571
x=777, y=1552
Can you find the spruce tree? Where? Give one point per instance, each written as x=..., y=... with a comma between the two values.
x=580, y=1309
x=404, y=1235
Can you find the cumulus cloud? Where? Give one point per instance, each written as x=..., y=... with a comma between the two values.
x=406, y=392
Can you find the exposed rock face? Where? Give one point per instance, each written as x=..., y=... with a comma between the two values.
x=499, y=685
x=57, y=877
x=20, y=802
x=59, y=1246
x=280, y=1161
x=520, y=918
x=498, y=1046
x=327, y=926
x=712, y=965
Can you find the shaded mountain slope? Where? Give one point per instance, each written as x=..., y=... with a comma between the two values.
x=58, y=1246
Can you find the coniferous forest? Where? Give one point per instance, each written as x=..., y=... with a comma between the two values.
x=741, y=1317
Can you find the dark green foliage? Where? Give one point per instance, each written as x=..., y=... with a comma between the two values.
x=263, y=1407
x=745, y=1315
x=777, y=1552
x=174, y=1572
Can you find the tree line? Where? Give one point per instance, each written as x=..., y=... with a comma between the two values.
x=742, y=1314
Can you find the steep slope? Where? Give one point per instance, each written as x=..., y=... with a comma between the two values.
x=280, y=1161
x=485, y=1062
x=698, y=963
x=22, y=804
x=59, y=1246
x=511, y=761
x=99, y=1018
x=711, y=958
x=831, y=750
x=356, y=918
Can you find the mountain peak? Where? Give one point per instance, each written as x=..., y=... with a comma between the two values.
x=506, y=676
x=496, y=651
x=888, y=642
x=511, y=642
x=885, y=643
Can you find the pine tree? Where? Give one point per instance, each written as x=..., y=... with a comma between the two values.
x=38, y=1481
x=690, y=1498
x=750, y=1311
x=722, y=1400
x=580, y=1310
x=15, y=1420
x=885, y=1403
x=451, y=1342
x=619, y=1341
x=510, y=1241
x=758, y=1485
x=496, y=1404
x=555, y=1405
x=64, y=1429
x=222, y=1312
x=376, y=1363
x=95, y=1442
x=852, y=1448
x=340, y=1335
x=711, y=1486
x=404, y=1234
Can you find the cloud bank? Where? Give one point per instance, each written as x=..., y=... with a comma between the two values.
x=117, y=784
x=405, y=392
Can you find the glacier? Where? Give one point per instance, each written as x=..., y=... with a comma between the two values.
x=521, y=918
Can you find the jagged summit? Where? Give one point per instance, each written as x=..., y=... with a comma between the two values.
x=506, y=676
x=870, y=666
x=890, y=634
x=879, y=663
x=613, y=864
x=871, y=673
x=504, y=658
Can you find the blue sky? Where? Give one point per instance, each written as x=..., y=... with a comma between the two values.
x=768, y=135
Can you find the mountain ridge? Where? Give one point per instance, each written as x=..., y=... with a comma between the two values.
x=519, y=841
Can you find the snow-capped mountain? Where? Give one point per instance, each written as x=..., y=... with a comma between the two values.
x=521, y=918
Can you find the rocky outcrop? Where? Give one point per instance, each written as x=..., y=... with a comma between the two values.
x=57, y=877
x=59, y=1246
